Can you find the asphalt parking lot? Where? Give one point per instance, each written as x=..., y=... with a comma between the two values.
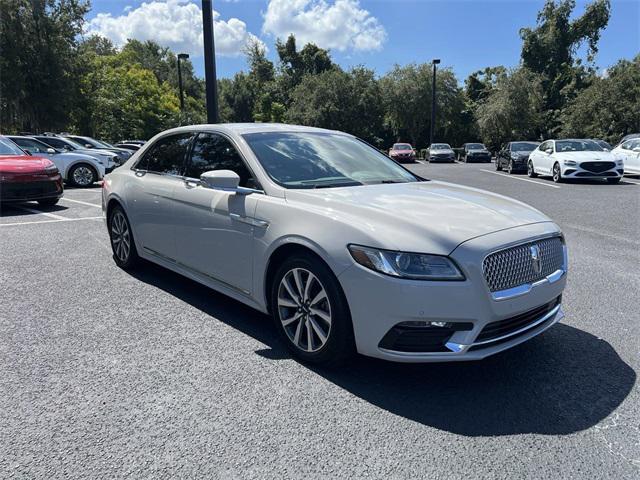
x=110, y=374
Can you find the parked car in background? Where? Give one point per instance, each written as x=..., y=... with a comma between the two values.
x=112, y=160
x=440, y=152
x=402, y=153
x=514, y=156
x=605, y=145
x=134, y=147
x=133, y=142
x=474, y=152
x=88, y=142
x=25, y=178
x=629, y=137
x=344, y=248
x=629, y=153
x=574, y=158
x=77, y=169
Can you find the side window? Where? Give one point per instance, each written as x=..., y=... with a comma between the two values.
x=544, y=145
x=54, y=142
x=215, y=152
x=33, y=147
x=167, y=155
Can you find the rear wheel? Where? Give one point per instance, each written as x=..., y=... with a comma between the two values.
x=48, y=202
x=530, y=171
x=557, y=173
x=310, y=311
x=82, y=175
x=122, y=244
x=498, y=165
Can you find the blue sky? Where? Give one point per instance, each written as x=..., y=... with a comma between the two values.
x=466, y=35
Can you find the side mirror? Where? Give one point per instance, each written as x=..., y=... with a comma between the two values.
x=88, y=145
x=51, y=150
x=549, y=151
x=226, y=181
x=637, y=149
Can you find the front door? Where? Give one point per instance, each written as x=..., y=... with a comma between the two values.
x=215, y=229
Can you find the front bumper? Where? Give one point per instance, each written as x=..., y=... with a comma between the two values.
x=31, y=190
x=378, y=303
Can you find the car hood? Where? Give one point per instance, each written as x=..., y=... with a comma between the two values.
x=442, y=151
x=401, y=152
x=429, y=217
x=22, y=164
x=481, y=150
x=585, y=156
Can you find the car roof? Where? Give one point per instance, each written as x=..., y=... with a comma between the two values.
x=244, y=128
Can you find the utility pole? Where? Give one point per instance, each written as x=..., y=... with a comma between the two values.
x=181, y=56
x=435, y=62
x=209, y=62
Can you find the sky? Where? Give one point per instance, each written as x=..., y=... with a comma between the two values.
x=467, y=35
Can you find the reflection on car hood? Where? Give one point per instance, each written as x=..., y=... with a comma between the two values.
x=444, y=151
x=585, y=156
x=22, y=164
x=431, y=217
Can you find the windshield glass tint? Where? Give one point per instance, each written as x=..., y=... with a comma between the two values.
x=440, y=146
x=317, y=160
x=523, y=147
x=475, y=146
x=7, y=147
x=402, y=146
x=577, y=146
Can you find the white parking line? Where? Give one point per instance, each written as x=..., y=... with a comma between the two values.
x=40, y=212
x=80, y=202
x=521, y=179
x=49, y=221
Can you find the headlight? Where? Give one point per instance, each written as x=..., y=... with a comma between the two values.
x=570, y=163
x=51, y=169
x=417, y=266
x=619, y=162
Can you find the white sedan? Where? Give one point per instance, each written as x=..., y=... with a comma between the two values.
x=344, y=248
x=574, y=158
x=629, y=153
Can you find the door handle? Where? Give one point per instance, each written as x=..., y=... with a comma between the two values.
x=250, y=221
x=191, y=183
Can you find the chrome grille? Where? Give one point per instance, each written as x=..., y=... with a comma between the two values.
x=514, y=266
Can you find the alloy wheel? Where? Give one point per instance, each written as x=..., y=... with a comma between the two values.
x=304, y=309
x=120, y=236
x=83, y=176
x=557, y=176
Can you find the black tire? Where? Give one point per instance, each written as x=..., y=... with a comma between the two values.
x=88, y=178
x=339, y=345
x=556, y=173
x=498, y=165
x=117, y=218
x=48, y=202
x=614, y=180
x=530, y=171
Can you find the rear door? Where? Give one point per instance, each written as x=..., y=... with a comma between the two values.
x=214, y=229
x=152, y=209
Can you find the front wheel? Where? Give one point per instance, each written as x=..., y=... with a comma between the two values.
x=498, y=165
x=614, y=180
x=82, y=175
x=557, y=173
x=530, y=171
x=510, y=167
x=311, y=312
x=122, y=244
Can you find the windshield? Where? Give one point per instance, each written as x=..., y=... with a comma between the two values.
x=577, y=146
x=402, y=146
x=523, y=147
x=604, y=144
x=440, y=146
x=475, y=146
x=7, y=147
x=103, y=144
x=322, y=160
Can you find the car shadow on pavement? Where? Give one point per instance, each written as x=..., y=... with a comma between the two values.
x=563, y=381
x=28, y=209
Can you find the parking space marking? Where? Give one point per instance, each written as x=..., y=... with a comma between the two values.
x=521, y=179
x=49, y=221
x=40, y=212
x=81, y=202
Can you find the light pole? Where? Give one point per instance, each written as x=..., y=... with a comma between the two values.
x=209, y=62
x=434, y=62
x=181, y=56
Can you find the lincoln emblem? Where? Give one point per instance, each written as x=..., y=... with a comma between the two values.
x=535, y=258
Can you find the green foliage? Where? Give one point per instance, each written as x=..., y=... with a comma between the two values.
x=609, y=108
x=513, y=111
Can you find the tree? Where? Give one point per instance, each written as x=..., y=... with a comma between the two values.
x=349, y=101
x=513, y=110
x=550, y=49
x=38, y=41
x=609, y=108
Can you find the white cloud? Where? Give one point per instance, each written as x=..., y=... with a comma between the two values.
x=176, y=24
x=340, y=25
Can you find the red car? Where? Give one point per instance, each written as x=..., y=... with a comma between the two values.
x=402, y=152
x=25, y=178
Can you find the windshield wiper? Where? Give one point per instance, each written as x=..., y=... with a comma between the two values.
x=337, y=184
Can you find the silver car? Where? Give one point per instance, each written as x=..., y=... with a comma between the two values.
x=344, y=248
